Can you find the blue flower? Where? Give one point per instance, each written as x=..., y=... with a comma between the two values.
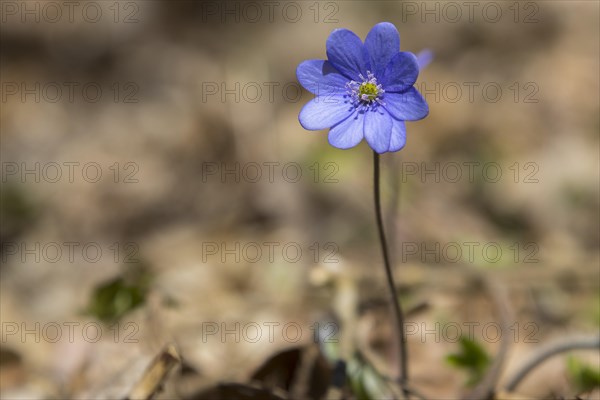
x=363, y=90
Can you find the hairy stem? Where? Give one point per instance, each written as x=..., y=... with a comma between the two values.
x=403, y=356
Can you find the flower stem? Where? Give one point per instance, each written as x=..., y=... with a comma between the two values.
x=403, y=356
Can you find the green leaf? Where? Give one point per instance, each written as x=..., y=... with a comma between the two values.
x=17, y=211
x=472, y=358
x=117, y=296
x=365, y=382
x=583, y=376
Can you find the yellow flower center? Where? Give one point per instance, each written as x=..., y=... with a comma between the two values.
x=369, y=89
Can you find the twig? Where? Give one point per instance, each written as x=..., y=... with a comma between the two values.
x=403, y=356
x=550, y=349
x=486, y=388
x=364, y=358
x=155, y=374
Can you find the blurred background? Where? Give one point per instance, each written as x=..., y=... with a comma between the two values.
x=157, y=188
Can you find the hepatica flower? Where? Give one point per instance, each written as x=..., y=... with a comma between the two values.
x=363, y=90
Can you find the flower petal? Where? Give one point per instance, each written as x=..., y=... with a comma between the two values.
x=349, y=132
x=401, y=72
x=378, y=129
x=424, y=58
x=398, y=139
x=382, y=43
x=320, y=77
x=324, y=112
x=406, y=106
x=347, y=53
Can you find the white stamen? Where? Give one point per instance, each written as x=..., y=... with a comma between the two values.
x=365, y=100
